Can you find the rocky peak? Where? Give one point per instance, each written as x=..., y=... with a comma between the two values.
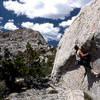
x=86, y=31
x=17, y=40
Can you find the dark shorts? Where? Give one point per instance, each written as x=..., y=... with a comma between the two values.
x=84, y=63
x=77, y=62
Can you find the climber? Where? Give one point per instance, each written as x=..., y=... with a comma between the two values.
x=83, y=59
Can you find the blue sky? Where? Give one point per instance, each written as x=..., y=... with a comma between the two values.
x=49, y=17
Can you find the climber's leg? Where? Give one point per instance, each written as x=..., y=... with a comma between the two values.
x=94, y=72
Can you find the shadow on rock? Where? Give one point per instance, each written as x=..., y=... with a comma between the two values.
x=91, y=79
x=69, y=65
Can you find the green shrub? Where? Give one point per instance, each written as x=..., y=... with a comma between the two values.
x=8, y=70
x=27, y=64
x=2, y=89
x=20, y=65
x=87, y=97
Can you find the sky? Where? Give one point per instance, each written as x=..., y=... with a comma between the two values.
x=49, y=17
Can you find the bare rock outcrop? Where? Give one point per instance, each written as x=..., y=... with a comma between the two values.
x=33, y=94
x=74, y=95
x=16, y=40
x=85, y=29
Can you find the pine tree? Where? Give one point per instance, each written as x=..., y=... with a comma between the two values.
x=8, y=70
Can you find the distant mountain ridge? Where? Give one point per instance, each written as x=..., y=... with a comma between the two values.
x=16, y=40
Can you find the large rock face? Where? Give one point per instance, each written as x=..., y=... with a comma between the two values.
x=86, y=31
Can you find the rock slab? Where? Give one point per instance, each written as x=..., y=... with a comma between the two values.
x=85, y=30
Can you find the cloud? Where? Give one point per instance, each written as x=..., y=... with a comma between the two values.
x=79, y=3
x=1, y=18
x=27, y=25
x=48, y=30
x=10, y=26
x=1, y=27
x=11, y=20
x=55, y=9
x=67, y=23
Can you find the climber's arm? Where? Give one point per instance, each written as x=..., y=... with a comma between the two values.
x=81, y=54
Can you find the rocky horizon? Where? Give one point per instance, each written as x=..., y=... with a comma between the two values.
x=16, y=40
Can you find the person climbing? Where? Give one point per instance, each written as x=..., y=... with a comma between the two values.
x=83, y=59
